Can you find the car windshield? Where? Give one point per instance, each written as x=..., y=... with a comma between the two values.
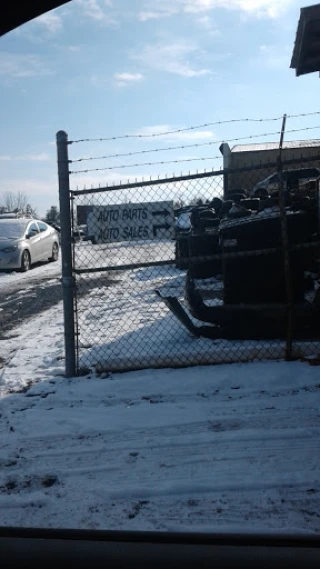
x=114, y=412
x=12, y=228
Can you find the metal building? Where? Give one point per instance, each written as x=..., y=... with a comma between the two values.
x=266, y=154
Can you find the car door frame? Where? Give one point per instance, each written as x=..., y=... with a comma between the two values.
x=34, y=242
x=46, y=238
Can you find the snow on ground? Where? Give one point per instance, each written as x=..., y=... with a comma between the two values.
x=116, y=254
x=32, y=350
x=217, y=448
x=41, y=270
x=127, y=326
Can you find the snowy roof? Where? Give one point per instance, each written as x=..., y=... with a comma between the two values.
x=260, y=146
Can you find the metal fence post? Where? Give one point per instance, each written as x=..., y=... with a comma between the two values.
x=285, y=247
x=66, y=251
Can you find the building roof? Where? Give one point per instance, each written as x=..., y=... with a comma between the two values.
x=306, y=51
x=259, y=147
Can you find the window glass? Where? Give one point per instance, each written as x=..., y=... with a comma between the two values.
x=149, y=433
x=42, y=226
x=33, y=228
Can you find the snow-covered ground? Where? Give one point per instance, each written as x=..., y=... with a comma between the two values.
x=125, y=325
x=37, y=272
x=116, y=254
x=217, y=448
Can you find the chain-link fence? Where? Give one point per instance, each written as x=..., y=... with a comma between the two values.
x=179, y=271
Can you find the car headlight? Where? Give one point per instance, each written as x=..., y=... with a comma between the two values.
x=9, y=249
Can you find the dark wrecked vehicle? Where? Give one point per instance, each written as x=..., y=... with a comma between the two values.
x=296, y=179
x=241, y=239
x=198, y=237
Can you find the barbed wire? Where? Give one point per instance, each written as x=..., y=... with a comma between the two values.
x=145, y=164
x=303, y=115
x=190, y=128
x=186, y=146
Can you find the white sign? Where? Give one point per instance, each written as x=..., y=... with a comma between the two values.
x=131, y=222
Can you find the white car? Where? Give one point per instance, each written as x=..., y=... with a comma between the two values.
x=24, y=241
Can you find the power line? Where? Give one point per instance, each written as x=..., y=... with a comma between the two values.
x=145, y=164
x=186, y=146
x=190, y=128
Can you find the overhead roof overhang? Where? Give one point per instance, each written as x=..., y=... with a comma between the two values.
x=24, y=12
x=306, y=51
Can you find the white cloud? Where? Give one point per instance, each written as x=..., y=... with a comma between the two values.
x=74, y=48
x=42, y=157
x=155, y=129
x=207, y=23
x=51, y=22
x=274, y=56
x=269, y=8
x=40, y=29
x=145, y=16
x=192, y=136
x=33, y=187
x=94, y=179
x=161, y=12
x=19, y=65
x=172, y=58
x=266, y=8
x=124, y=79
x=186, y=136
x=95, y=10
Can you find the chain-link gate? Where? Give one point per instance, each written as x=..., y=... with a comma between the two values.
x=175, y=273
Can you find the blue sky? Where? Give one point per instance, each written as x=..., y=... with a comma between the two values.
x=100, y=68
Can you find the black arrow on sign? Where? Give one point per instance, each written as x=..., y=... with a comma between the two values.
x=164, y=212
x=156, y=228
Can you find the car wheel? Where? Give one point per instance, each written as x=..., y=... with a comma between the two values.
x=25, y=261
x=55, y=253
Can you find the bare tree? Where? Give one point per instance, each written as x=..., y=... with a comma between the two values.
x=16, y=201
x=30, y=210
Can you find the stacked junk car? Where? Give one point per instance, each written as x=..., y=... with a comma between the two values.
x=252, y=261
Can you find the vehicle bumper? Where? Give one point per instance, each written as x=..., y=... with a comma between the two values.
x=10, y=260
